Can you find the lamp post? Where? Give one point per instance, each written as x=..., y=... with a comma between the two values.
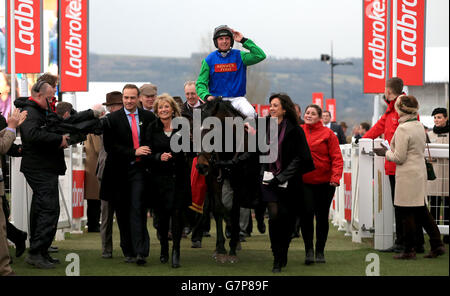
x=329, y=60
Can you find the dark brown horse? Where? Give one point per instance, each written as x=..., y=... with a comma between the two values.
x=230, y=177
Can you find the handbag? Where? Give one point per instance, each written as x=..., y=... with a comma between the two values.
x=430, y=170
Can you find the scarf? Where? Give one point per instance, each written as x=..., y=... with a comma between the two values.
x=275, y=167
x=441, y=129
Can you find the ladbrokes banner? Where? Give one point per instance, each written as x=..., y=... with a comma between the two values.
x=28, y=36
x=317, y=98
x=410, y=41
x=330, y=105
x=375, y=45
x=408, y=55
x=73, y=45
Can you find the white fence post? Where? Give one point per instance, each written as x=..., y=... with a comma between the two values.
x=362, y=209
x=21, y=195
x=384, y=209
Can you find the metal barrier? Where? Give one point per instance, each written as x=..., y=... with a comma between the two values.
x=21, y=194
x=362, y=206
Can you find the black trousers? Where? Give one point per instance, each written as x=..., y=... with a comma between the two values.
x=13, y=234
x=316, y=201
x=173, y=219
x=44, y=212
x=413, y=219
x=131, y=214
x=93, y=213
x=281, y=224
x=399, y=235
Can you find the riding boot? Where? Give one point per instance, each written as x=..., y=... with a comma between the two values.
x=284, y=257
x=276, y=261
x=176, y=257
x=164, y=257
x=309, y=258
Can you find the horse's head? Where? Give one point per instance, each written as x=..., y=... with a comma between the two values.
x=220, y=109
x=204, y=163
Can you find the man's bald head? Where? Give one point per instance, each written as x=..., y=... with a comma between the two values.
x=42, y=92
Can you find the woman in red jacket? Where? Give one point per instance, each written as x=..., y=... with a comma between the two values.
x=320, y=184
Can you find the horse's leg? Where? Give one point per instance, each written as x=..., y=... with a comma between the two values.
x=219, y=217
x=235, y=229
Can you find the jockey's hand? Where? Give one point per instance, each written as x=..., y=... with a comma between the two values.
x=210, y=98
x=249, y=129
x=237, y=36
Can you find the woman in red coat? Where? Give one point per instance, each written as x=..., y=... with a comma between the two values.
x=320, y=184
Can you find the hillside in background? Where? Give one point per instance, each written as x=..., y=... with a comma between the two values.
x=297, y=77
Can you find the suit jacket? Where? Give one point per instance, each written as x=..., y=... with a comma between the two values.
x=337, y=129
x=187, y=110
x=118, y=143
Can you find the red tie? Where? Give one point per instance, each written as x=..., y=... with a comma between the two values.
x=134, y=133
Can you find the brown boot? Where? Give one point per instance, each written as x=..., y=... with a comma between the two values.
x=406, y=255
x=436, y=252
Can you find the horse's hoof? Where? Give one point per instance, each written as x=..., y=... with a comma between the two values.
x=233, y=259
x=214, y=255
x=221, y=258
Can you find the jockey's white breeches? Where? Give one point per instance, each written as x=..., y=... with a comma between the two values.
x=241, y=104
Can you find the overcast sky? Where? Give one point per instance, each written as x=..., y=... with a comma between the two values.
x=283, y=28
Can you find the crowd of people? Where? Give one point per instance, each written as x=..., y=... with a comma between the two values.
x=132, y=171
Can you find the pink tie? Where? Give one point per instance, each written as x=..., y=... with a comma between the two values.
x=134, y=133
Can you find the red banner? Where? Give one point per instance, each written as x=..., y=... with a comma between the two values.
x=256, y=106
x=28, y=37
x=264, y=110
x=77, y=194
x=331, y=106
x=375, y=45
x=410, y=41
x=317, y=98
x=73, y=45
x=348, y=196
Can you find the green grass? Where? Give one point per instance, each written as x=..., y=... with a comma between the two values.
x=344, y=258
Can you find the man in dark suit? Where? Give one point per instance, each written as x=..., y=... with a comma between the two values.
x=124, y=173
x=336, y=128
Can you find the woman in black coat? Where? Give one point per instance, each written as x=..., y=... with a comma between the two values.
x=293, y=160
x=169, y=177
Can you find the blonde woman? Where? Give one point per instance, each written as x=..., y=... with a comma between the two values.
x=169, y=178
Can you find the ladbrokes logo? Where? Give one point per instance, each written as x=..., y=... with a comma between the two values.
x=74, y=44
x=376, y=13
x=27, y=31
x=74, y=47
x=231, y=67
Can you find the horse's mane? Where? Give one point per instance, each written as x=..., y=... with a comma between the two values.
x=212, y=108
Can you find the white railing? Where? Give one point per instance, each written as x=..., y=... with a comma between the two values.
x=21, y=194
x=362, y=206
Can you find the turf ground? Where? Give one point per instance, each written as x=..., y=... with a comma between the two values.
x=343, y=257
